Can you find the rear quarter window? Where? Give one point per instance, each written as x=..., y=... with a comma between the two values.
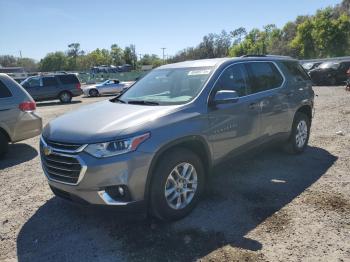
x=264, y=76
x=296, y=71
x=4, y=91
x=68, y=79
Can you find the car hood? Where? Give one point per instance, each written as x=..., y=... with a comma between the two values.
x=102, y=121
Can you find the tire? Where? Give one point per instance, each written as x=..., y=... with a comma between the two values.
x=300, y=134
x=65, y=97
x=3, y=144
x=162, y=207
x=93, y=92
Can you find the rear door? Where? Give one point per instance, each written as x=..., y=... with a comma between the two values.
x=51, y=86
x=267, y=86
x=236, y=125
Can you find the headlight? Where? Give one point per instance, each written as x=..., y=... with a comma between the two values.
x=117, y=147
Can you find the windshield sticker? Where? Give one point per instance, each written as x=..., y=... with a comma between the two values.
x=199, y=72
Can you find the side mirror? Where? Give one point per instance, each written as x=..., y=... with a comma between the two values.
x=225, y=97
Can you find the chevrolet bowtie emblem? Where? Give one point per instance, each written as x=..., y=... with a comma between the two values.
x=47, y=150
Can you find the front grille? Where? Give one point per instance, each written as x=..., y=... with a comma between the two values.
x=63, y=146
x=61, y=168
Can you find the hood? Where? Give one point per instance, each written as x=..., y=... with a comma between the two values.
x=102, y=121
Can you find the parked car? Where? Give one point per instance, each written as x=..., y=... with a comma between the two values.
x=18, y=120
x=311, y=65
x=330, y=73
x=112, y=86
x=50, y=87
x=155, y=144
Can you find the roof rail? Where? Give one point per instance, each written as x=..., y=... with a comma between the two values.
x=253, y=55
x=277, y=56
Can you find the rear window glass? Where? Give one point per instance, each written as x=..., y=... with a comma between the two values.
x=4, y=91
x=264, y=76
x=49, y=81
x=68, y=79
x=296, y=71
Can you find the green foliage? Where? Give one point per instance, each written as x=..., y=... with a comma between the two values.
x=54, y=62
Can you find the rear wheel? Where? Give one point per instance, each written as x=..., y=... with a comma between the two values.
x=3, y=144
x=300, y=134
x=177, y=185
x=65, y=97
x=93, y=92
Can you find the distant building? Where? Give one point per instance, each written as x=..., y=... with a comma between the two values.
x=17, y=73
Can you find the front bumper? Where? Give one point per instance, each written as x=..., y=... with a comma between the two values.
x=129, y=170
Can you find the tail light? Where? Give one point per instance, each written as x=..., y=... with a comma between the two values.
x=78, y=86
x=27, y=106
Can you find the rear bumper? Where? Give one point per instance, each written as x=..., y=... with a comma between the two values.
x=28, y=125
x=77, y=92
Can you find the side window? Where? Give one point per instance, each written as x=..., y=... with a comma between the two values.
x=233, y=78
x=4, y=91
x=49, y=81
x=34, y=82
x=264, y=76
x=296, y=71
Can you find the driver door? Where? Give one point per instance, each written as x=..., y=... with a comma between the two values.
x=233, y=126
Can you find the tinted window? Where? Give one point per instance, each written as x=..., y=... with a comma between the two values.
x=4, y=91
x=264, y=76
x=33, y=82
x=49, y=81
x=233, y=78
x=68, y=79
x=296, y=71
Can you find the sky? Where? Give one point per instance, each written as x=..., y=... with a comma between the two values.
x=37, y=27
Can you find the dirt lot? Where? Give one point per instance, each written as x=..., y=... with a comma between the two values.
x=273, y=207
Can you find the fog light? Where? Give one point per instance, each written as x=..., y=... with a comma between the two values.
x=118, y=192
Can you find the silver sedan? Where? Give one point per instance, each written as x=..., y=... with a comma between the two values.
x=108, y=87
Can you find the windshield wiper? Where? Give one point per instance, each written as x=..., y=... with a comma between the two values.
x=143, y=102
x=116, y=99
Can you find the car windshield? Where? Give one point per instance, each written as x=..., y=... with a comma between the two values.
x=168, y=86
x=329, y=65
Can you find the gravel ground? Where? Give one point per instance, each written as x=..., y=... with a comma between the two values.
x=270, y=207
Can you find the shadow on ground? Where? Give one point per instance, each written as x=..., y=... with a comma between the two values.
x=241, y=195
x=56, y=103
x=18, y=153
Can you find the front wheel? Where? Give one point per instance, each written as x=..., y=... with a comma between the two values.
x=300, y=134
x=177, y=185
x=65, y=97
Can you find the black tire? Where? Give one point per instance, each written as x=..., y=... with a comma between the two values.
x=159, y=206
x=292, y=146
x=93, y=92
x=3, y=144
x=65, y=97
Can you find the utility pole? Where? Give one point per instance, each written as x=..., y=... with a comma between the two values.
x=20, y=53
x=140, y=55
x=163, y=48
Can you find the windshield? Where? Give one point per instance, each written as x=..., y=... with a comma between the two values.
x=168, y=86
x=329, y=65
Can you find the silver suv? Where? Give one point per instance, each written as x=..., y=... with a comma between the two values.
x=18, y=120
x=155, y=144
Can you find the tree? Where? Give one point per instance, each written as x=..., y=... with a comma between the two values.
x=130, y=55
x=56, y=61
x=117, y=55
